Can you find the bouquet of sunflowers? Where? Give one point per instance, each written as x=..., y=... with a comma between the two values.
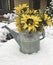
x=31, y=20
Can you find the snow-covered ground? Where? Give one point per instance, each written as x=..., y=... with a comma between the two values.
x=11, y=55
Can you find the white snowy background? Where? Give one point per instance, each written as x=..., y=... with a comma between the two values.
x=11, y=55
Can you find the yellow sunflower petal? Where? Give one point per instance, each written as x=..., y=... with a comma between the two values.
x=25, y=5
x=38, y=19
x=33, y=29
x=17, y=20
x=35, y=11
x=25, y=26
x=19, y=29
x=45, y=16
x=36, y=25
x=49, y=23
x=29, y=28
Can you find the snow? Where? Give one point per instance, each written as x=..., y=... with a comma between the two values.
x=11, y=55
x=11, y=16
x=3, y=32
x=10, y=51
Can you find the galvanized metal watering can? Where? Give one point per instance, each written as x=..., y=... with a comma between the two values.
x=28, y=43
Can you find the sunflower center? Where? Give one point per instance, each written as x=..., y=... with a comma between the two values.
x=24, y=9
x=29, y=21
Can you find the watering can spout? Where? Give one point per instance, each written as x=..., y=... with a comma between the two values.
x=13, y=33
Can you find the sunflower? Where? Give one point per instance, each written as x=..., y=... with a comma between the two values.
x=17, y=20
x=47, y=19
x=21, y=8
x=32, y=12
x=30, y=22
x=18, y=27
